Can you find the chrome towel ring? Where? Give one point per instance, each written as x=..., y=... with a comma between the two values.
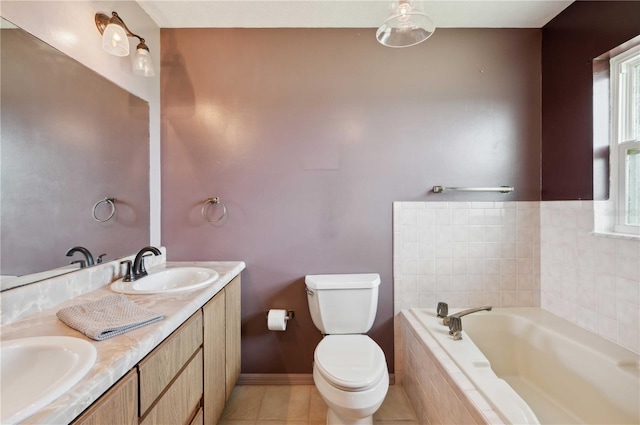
x=110, y=201
x=213, y=201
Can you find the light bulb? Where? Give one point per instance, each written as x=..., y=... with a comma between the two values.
x=142, y=63
x=115, y=40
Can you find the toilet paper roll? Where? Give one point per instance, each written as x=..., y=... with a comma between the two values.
x=277, y=320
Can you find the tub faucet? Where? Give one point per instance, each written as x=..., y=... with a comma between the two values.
x=463, y=313
x=88, y=258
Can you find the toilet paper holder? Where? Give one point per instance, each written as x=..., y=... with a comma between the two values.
x=290, y=315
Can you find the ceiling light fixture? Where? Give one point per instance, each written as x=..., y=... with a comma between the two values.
x=115, y=41
x=405, y=26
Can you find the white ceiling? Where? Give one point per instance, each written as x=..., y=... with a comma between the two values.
x=346, y=13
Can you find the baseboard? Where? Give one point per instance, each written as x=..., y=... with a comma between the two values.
x=284, y=379
x=275, y=379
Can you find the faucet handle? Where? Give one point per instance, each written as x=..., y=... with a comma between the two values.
x=128, y=276
x=99, y=260
x=442, y=310
x=455, y=327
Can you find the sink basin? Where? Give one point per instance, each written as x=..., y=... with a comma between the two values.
x=36, y=371
x=164, y=281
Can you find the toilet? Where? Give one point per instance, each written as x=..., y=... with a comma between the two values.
x=349, y=368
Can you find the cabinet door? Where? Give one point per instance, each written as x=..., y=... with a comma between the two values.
x=119, y=405
x=233, y=325
x=181, y=399
x=214, y=358
x=199, y=418
x=161, y=366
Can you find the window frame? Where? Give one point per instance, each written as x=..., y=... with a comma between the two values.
x=622, y=133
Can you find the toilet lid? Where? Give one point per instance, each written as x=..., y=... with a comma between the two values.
x=350, y=362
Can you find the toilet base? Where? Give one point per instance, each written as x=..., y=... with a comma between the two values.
x=334, y=419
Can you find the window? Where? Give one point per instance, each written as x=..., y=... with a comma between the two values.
x=625, y=140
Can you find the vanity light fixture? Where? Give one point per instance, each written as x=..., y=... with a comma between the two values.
x=115, y=41
x=405, y=26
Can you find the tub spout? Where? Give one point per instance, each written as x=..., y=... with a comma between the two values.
x=463, y=313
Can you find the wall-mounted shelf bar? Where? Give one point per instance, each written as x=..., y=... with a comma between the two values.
x=501, y=189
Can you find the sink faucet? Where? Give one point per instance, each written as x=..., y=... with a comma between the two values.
x=88, y=258
x=137, y=270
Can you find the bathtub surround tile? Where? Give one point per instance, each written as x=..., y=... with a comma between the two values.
x=591, y=280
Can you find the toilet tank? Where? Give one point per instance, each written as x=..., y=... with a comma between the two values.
x=343, y=303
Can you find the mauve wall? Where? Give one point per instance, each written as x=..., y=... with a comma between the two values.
x=309, y=135
x=570, y=42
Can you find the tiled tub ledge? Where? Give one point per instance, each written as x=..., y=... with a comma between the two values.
x=117, y=355
x=438, y=390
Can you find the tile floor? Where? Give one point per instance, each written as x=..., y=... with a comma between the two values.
x=302, y=405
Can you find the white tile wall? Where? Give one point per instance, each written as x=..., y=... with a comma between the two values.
x=516, y=254
x=466, y=254
x=591, y=280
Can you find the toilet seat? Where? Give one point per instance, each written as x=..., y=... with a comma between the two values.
x=350, y=362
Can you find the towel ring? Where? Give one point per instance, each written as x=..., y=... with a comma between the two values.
x=213, y=201
x=109, y=201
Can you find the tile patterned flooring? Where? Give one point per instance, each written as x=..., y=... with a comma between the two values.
x=302, y=405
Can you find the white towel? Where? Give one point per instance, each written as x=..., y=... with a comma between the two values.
x=109, y=316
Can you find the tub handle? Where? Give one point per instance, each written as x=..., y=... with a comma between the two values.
x=455, y=327
x=442, y=310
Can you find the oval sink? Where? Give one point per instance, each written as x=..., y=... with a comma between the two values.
x=165, y=281
x=35, y=371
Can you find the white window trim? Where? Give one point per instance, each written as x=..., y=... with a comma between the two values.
x=621, y=138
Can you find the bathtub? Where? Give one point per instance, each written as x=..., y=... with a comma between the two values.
x=530, y=366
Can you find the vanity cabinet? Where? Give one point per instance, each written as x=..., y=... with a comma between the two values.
x=170, y=377
x=185, y=380
x=233, y=321
x=221, y=318
x=119, y=405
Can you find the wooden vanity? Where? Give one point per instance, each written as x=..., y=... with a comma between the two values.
x=179, y=370
x=184, y=380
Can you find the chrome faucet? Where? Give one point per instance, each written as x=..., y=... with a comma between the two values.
x=88, y=258
x=137, y=270
x=463, y=313
x=454, y=321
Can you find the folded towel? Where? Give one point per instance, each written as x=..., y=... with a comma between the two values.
x=109, y=316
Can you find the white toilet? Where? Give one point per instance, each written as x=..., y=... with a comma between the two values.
x=349, y=368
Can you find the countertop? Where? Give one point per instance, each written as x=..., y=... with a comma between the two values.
x=117, y=355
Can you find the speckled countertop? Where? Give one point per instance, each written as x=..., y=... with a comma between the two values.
x=117, y=355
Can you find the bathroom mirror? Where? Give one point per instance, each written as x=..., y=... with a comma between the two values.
x=69, y=138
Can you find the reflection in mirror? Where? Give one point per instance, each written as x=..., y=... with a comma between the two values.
x=69, y=138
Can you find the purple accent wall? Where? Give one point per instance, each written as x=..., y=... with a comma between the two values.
x=309, y=135
x=570, y=42
x=70, y=138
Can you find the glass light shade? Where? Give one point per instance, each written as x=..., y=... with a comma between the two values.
x=115, y=40
x=142, y=63
x=406, y=26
